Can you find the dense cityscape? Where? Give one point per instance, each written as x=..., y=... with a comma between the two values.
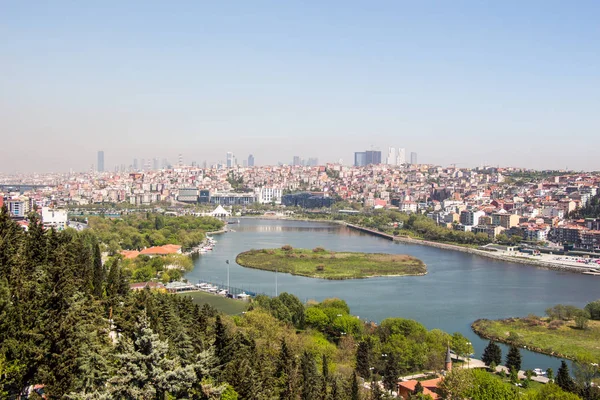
x=299, y=200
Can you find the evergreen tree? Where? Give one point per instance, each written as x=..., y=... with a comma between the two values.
x=563, y=378
x=492, y=354
x=363, y=355
x=310, y=378
x=513, y=359
x=222, y=341
x=146, y=371
x=335, y=390
x=391, y=372
x=324, y=377
x=354, y=393
x=99, y=272
x=418, y=388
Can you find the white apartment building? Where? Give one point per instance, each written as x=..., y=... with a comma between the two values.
x=54, y=218
x=401, y=157
x=268, y=195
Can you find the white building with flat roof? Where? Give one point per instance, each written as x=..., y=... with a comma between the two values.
x=54, y=218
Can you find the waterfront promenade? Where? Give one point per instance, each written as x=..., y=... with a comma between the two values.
x=543, y=260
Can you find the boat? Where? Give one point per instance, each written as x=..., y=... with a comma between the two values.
x=539, y=371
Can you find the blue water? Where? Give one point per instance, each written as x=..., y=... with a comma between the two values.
x=458, y=289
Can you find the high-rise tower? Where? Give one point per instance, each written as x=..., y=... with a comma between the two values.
x=100, y=161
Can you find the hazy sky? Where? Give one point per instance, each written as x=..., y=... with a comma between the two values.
x=503, y=82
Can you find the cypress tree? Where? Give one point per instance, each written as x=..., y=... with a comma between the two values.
x=222, y=341
x=391, y=372
x=418, y=388
x=492, y=354
x=563, y=378
x=99, y=273
x=354, y=393
x=362, y=359
x=310, y=379
x=513, y=359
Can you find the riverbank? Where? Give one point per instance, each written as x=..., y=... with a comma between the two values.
x=325, y=264
x=554, y=338
x=519, y=258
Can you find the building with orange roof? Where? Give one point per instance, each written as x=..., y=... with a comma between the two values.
x=430, y=387
x=162, y=250
x=129, y=254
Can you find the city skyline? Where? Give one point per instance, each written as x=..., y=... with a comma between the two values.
x=510, y=84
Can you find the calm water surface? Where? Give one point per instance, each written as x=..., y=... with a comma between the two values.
x=458, y=289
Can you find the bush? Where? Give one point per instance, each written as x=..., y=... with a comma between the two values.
x=320, y=267
x=554, y=325
x=319, y=250
x=287, y=247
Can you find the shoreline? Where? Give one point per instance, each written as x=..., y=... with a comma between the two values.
x=534, y=349
x=445, y=246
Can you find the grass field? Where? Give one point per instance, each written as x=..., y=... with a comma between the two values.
x=561, y=339
x=223, y=304
x=321, y=263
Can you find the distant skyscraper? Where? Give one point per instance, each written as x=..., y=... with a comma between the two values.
x=360, y=159
x=313, y=162
x=297, y=160
x=391, y=157
x=180, y=160
x=251, y=160
x=373, y=157
x=155, y=164
x=401, y=156
x=229, y=159
x=101, y=161
x=135, y=164
x=143, y=164
x=413, y=158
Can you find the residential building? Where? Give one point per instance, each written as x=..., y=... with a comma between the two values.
x=268, y=195
x=188, y=195
x=470, y=217
x=54, y=218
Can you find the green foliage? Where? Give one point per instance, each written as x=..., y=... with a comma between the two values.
x=330, y=265
x=492, y=354
x=137, y=231
x=563, y=378
x=513, y=359
x=549, y=391
x=593, y=309
x=476, y=385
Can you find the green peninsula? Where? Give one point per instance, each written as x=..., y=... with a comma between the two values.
x=325, y=264
x=558, y=338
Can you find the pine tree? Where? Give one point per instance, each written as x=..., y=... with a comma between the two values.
x=146, y=371
x=335, y=390
x=563, y=378
x=513, y=359
x=492, y=354
x=363, y=354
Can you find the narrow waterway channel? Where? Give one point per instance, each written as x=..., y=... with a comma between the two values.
x=458, y=289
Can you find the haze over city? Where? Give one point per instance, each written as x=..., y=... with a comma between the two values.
x=509, y=84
